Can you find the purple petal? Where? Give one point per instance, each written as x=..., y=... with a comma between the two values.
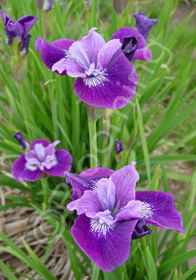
x=113, y=89
x=159, y=210
x=133, y=210
x=107, y=51
x=20, y=172
x=142, y=54
x=125, y=182
x=107, y=249
x=92, y=44
x=71, y=67
x=105, y=189
x=141, y=229
x=87, y=204
x=44, y=142
x=47, y=5
x=49, y=53
x=86, y=180
x=129, y=32
x=27, y=22
x=143, y=23
x=64, y=161
x=129, y=46
x=62, y=43
x=25, y=44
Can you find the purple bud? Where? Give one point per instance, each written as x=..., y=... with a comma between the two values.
x=118, y=147
x=141, y=229
x=21, y=140
x=143, y=23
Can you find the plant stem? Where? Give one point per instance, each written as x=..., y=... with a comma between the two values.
x=93, y=143
x=45, y=193
x=95, y=272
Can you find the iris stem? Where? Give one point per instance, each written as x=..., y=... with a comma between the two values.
x=95, y=272
x=45, y=193
x=93, y=143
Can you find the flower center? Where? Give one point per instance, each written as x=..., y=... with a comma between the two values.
x=99, y=227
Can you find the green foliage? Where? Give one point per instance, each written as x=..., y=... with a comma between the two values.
x=157, y=129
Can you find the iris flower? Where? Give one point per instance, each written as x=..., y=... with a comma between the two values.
x=42, y=157
x=111, y=213
x=144, y=24
x=19, y=30
x=105, y=77
x=118, y=146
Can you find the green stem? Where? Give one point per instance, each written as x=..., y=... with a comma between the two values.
x=93, y=143
x=95, y=272
x=45, y=193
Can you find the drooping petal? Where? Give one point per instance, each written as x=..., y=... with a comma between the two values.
x=159, y=210
x=113, y=89
x=25, y=44
x=63, y=163
x=21, y=172
x=86, y=180
x=125, y=182
x=49, y=53
x=143, y=23
x=62, y=43
x=142, y=54
x=107, y=247
x=87, y=204
x=71, y=67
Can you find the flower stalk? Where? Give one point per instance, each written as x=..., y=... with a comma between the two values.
x=93, y=143
x=45, y=193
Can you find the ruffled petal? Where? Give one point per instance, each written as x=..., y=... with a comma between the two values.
x=113, y=89
x=133, y=210
x=71, y=67
x=106, y=247
x=20, y=171
x=159, y=210
x=125, y=182
x=97, y=172
x=49, y=53
x=129, y=32
x=64, y=161
x=62, y=43
x=92, y=44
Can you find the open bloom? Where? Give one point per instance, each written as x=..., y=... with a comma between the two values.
x=42, y=157
x=111, y=213
x=105, y=78
x=19, y=30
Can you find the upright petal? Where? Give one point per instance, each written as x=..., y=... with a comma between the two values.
x=106, y=247
x=159, y=210
x=27, y=22
x=144, y=24
x=92, y=44
x=125, y=182
x=20, y=171
x=44, y=142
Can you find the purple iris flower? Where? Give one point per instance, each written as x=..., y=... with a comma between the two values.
x=42, y=157
x=19, y=30
x=105, y=78
x=144, y=24
x=118, y=147
x=109, y=214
